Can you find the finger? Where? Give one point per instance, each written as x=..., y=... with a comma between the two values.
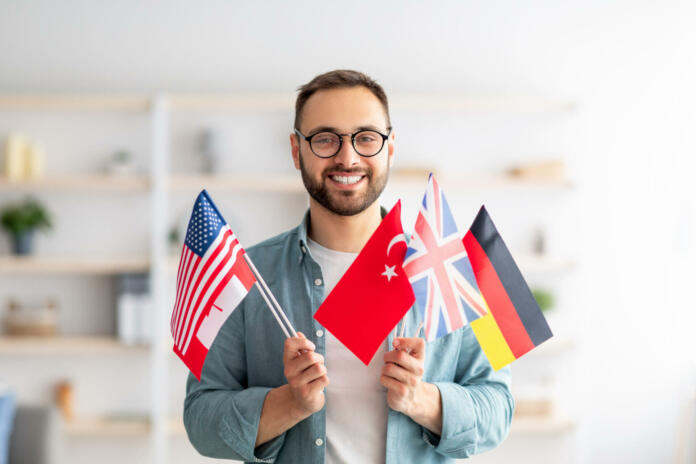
x=319, y=384
x=313, y=372
x=400, y=374
x=295, y=346
x=296, y=366
x=393, y=385
x=405, y=360
x=415, y=346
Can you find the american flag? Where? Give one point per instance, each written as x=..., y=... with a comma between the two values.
x=212, y=279
x=439, y=270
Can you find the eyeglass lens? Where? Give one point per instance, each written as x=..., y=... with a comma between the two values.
x=366, y=143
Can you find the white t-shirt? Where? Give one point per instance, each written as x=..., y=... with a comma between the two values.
x=356, y=403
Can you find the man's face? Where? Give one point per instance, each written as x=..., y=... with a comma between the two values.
x=347, y=183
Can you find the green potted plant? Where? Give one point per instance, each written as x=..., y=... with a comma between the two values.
x=21, y=220
x=544, y=299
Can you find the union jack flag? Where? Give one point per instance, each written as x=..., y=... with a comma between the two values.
x=439, y=270
x=212, y=280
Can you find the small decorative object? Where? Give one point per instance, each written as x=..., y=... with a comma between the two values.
x=544, y=299
x=543, y=170
x=134, y=309
x=35, y=321
x=24, y=159
x=208, y=146
x=65, y=399
x=174, y=240
x=534, y=407
x=416, y=172
x=15, y=147
x=21, y=220
x=539, y=245
x=121, y=164
x=34, y=161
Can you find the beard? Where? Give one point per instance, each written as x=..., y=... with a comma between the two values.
x=344, y=203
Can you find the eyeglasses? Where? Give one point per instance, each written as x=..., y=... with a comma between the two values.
x=326, y=144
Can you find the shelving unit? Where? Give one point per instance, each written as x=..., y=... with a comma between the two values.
x=158, y=187
x=104, y=427
x=61, y=345
x=545, y=425
x=93, y=183
x=16, y=265
x=75, y=102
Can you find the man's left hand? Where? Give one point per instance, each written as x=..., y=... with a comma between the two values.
x=406, y=392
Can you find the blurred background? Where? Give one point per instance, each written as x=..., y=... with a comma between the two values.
x=573, y=122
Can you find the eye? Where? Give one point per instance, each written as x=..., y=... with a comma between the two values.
x=325, y=139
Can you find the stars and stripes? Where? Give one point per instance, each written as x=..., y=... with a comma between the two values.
x=211, y=265
x=439, y=270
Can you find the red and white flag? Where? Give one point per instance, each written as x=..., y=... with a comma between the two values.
x=212, y=280
x=374, y=293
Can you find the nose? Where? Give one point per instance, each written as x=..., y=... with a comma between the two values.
x=347, y=156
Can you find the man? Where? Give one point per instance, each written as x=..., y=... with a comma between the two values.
x=307, y=399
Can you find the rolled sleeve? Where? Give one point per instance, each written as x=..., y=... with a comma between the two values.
x=459, y=433
x=477, y=405
x=235, y=417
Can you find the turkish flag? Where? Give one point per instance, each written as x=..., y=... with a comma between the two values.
x=374, y=293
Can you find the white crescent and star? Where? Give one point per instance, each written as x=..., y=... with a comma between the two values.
x=397, y=238
x=389, y=271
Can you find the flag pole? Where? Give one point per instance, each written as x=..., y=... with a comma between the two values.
x=265, y=298
x=274, y=309
x=403, y=328
x=418, y=329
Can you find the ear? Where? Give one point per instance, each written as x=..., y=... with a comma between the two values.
x=295, y=150
x=390, y=147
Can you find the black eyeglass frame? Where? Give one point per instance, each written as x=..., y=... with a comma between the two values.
x=340, y=141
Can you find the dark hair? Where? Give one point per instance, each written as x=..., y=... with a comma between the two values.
x=340, y=78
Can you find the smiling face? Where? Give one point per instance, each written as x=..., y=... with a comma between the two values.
x=347, y=183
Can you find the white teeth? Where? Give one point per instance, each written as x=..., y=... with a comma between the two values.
x=347, y=180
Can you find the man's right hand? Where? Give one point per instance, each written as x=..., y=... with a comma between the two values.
x=306, y=375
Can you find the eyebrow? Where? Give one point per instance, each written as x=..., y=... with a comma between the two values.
x=370, y=127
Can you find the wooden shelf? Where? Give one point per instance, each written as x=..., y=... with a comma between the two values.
x=453, y=183
x=106, y=427
x=60, y=345
x=279, y=183
x=74, y=102
x=79, y=183
x=265, y=102
x=529, y=263
x=16, y=265
x=555, y=345
x=540, y=425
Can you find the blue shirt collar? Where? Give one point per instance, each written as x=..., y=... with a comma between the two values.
x=304, y=227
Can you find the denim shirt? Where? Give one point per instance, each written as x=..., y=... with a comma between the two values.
x=245, y=362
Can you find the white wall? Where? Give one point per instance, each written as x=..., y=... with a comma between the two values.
x=629, y=65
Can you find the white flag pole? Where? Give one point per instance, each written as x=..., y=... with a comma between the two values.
x=268, y=291
x=403, y=328
x=280, y=323
x=418, y=329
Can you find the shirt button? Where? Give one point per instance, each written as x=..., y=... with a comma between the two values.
x=318, y=442
x=317, y=282
x=304, y=250
x=320, y=333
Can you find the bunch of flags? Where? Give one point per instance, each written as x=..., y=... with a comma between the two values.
x=454, y=281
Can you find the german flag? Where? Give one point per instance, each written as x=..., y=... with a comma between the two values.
x=514, y=324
